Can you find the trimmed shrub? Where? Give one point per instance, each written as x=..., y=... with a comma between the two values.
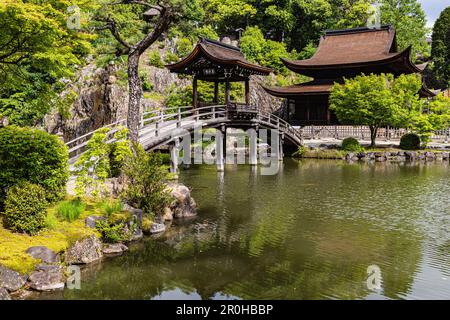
x=112, y=233
x=352, y=145
x=71, y=210
x=35, y=156
x=410, y=141
x=146, y=182
x=25, y=208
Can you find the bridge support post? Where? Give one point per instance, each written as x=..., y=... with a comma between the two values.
x=280, y=148
x=253, y=147
x=220, y=143
x=173, y=148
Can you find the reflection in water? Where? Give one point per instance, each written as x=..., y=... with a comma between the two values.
x=308, y=233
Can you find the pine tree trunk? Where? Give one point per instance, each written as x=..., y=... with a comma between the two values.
x=135, y=92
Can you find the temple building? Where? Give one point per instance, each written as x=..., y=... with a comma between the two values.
x=342, y=54
x=218, y=62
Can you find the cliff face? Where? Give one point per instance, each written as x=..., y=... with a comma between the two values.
x=100, y=101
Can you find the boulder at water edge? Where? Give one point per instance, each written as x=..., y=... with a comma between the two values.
x=84, y=251
x=114, y=248
x=183, y=205
x=47, y=278
x=11, y=280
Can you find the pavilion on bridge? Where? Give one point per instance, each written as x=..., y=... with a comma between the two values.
x=217, y=62
x=342, y=54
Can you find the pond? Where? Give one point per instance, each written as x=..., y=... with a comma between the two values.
x=310, y=232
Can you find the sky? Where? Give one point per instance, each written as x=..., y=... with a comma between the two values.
x=433, y=8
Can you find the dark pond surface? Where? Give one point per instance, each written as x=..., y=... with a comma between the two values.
x=309, y=232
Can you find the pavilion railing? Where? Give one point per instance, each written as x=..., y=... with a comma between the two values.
x=363, y=133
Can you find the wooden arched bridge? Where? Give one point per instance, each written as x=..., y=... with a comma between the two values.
x=166, y=127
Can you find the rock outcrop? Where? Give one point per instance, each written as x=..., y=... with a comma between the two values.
x=43, y=253
x=84, y=251
x=99, y=101
x=4, y=295
x=183, y=205
x=115, y=248
x=11, y=280
x=47, y=278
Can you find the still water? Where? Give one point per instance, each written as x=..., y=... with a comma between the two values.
x=309, y=232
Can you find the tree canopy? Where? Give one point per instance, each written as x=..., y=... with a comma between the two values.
x=409, y=20
x=383, y=100
x=440, y=51
x=36, y=51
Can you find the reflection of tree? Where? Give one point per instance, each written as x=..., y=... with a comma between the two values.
x=299, y=236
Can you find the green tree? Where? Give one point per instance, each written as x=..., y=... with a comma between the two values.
x=146, y=182
x=377, y=101
x=265, y=52
x=36, y=50
x=440, y=51
x=134, y=34
x=409, y=20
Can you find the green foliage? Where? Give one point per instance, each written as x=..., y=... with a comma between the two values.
x=25, y=208
x=146, y=187
x=410, y=141
x=119, y=150
x=182, y=96
x=155, y=59
x=170, y=58
x=35, y=156
x=184, y=47
x=409, y=20
x=70, y=210
x=265, y=52
x=377, y=100
x=36, y=50
x=112, y=232
x=351, y=145
x=206, y=31
x=300, y=152
x=145, y=81
x=440, y=51
x=111, y=206
x=101, y=161
x=93, y=166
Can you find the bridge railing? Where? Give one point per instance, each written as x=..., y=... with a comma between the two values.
x=161, y=122
x=280, y=124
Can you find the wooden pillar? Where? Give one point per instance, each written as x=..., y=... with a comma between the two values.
x=253, y=147
x=280, y=146
x=194, y=93
x=173, y=147
x=216, y=91
x=220, y=158
x=247, y=92
x=227, y=92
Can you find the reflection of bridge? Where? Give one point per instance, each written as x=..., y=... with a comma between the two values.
x=159, y=128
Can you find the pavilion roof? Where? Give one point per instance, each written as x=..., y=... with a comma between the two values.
x=320, y=88
x=367, y=49
x=213, y=60
x=307, y=88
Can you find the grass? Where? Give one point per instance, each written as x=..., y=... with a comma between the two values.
x=324, y=154
x=58, y=236
x=70, y=210
x=112, y=206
